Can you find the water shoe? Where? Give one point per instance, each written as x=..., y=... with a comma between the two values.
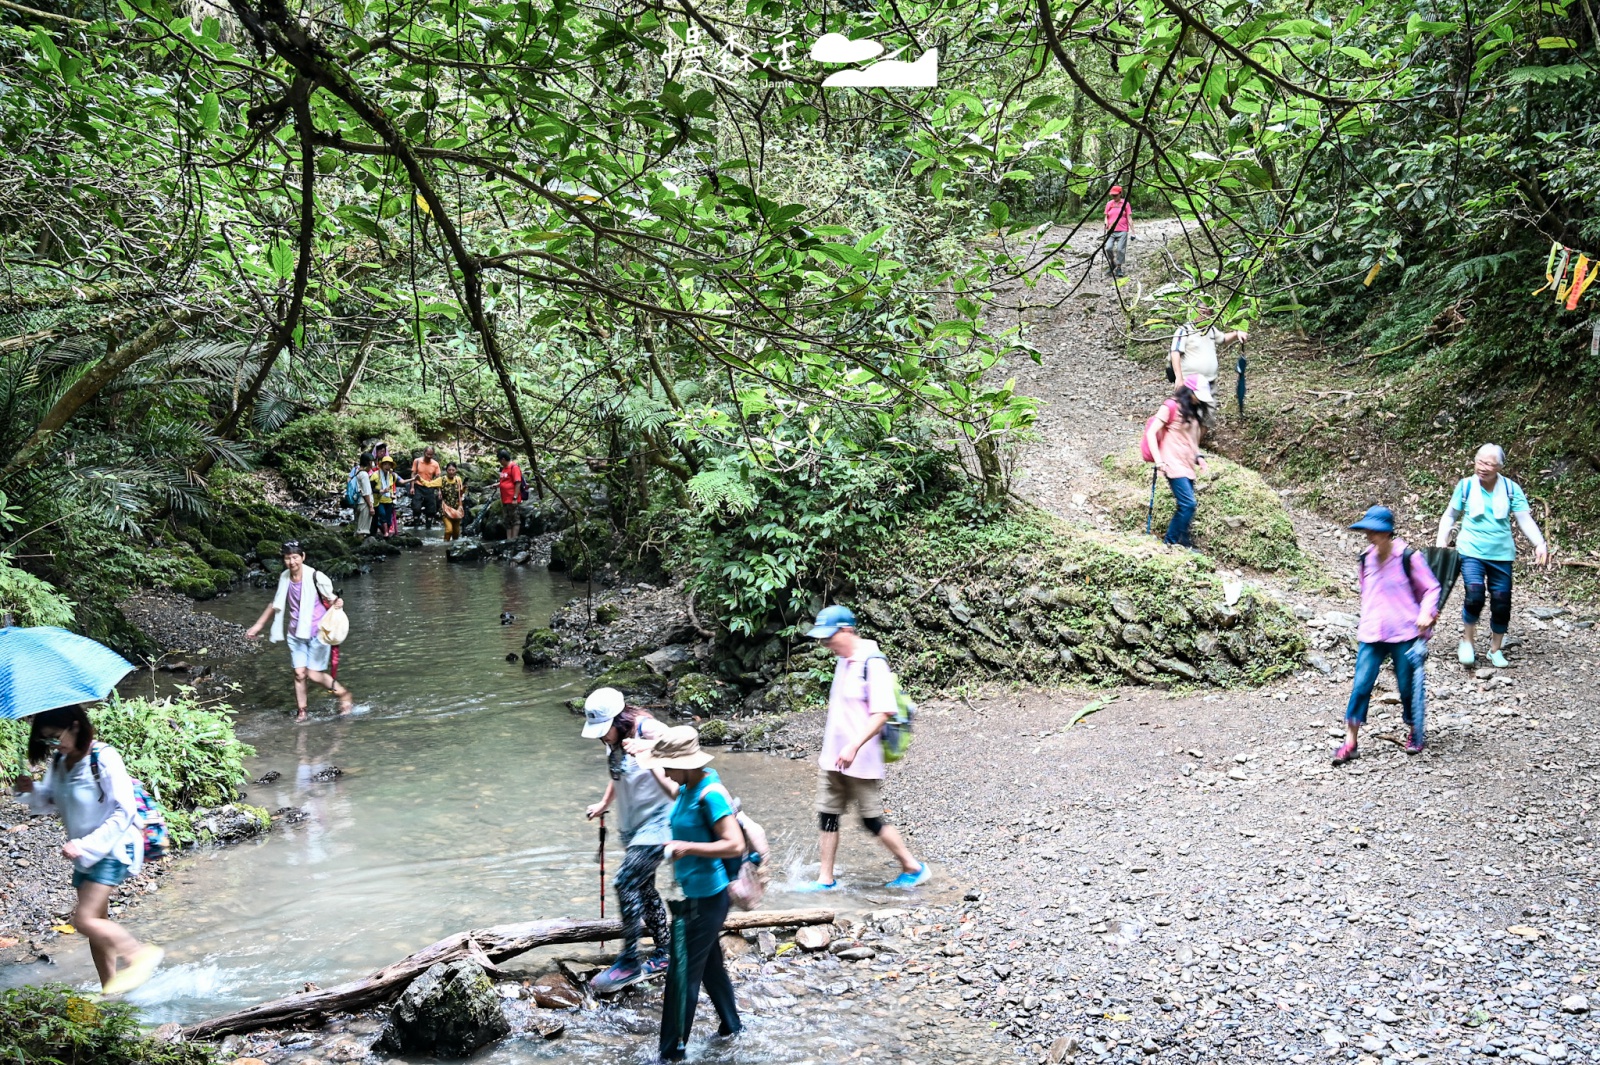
x=908, y=880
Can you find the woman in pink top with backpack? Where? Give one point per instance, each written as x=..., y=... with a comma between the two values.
x=1399, y=604
x=1172, y=442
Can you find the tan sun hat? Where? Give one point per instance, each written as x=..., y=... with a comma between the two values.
x=677, y=748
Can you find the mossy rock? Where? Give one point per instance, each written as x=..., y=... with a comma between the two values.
x=632, y=677
x=717, y=731
x=1240, y=520
x=217, y=558
x=373, y=547
x=407, y=540
x=606, y=613
x=542, y=639
x=701, y=695
x=340, y=569
x=202, y=582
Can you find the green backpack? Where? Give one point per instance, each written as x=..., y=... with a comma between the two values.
x=896, y=735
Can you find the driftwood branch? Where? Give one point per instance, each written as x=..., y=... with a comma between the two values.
x=494, y=944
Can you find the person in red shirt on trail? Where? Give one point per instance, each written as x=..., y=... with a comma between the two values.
x=1119, y=227
x=511, y=491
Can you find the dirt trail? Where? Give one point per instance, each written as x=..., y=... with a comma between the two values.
x=1094, y=400
x=1186, y=877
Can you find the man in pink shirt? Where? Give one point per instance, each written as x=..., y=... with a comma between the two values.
x=1119, y=226
x=851, y=764
x=1399, y=604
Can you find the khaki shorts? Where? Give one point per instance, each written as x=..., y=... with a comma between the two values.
x=836, y=791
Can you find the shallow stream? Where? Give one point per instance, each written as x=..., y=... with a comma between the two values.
x=458, y=803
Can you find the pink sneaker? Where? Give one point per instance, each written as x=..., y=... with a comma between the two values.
x=1413, y=745
x=1344, y=754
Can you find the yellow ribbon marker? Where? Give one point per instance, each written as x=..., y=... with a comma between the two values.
x=1549, y=267
x=1371, y=274
x=1582, y=278
x=1561, y=275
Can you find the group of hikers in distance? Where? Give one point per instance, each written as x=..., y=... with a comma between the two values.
x=438, y=494
x=1402, y=589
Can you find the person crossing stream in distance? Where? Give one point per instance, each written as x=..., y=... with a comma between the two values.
x=303, y=596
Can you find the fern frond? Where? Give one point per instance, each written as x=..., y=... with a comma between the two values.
x=722, y=489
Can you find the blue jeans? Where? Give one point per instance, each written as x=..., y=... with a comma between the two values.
x=1409, y=658
x=108, y=871
x=1183, y=517
x=1478, y=575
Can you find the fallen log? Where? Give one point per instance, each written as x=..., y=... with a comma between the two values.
x=494, y=944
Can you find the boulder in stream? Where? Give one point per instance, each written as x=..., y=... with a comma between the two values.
x=449, y=1011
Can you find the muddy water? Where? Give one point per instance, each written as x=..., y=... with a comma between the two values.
x=457, y=803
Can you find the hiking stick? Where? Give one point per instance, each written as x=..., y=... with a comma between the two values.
x=600, y=855
x=1150, y=516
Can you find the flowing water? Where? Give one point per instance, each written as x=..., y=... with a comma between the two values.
x=459, y=803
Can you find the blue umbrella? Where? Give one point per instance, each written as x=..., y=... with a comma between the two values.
x=45, y=667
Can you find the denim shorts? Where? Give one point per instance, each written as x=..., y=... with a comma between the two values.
x=310, y=654
x=107, y=871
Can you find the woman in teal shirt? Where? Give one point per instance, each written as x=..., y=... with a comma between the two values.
x=1486, y=504
x=705, y=832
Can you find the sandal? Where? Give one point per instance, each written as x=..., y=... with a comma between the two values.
x=347, y=702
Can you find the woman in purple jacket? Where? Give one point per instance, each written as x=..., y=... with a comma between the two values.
x=1399, y=604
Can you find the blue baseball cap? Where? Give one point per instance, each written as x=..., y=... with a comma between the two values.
x=1376, y=519
x=831, y=620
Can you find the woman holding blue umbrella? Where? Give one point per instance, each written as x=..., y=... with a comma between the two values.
x=48, y=674
x=88, y=787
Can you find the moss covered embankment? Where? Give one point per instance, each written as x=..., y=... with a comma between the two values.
x=1030, y=599
x=1241, y=520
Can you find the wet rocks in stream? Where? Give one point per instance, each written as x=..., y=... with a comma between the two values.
x=450, y=1011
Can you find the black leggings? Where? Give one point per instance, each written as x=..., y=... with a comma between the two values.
x=699, y=922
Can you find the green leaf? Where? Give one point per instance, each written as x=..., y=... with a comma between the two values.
x=209, y=109
x=1557, y=42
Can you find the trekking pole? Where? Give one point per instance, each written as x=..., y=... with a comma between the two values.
x=1150, y=516
x=600, y=855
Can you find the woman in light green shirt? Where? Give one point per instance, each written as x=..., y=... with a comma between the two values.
x=1486, y=504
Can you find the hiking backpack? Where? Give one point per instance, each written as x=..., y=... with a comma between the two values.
x=747, y=874
x=896, y=734
x=1443, y=562
x=152, y=820
x=352, y=488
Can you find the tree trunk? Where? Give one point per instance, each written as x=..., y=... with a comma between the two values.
x=1075, y=152
x=89, y=385
x=354, y=376
x=497, y=944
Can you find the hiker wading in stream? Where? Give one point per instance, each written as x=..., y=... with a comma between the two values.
x=1486, y=504
x=88, y=787
x=704, y=833
x=643, y=799
x=1399, y=604
x=1172, y=438
x=851, y=766
x=304, y=595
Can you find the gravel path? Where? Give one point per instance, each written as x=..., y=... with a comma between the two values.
x=1188, y=878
